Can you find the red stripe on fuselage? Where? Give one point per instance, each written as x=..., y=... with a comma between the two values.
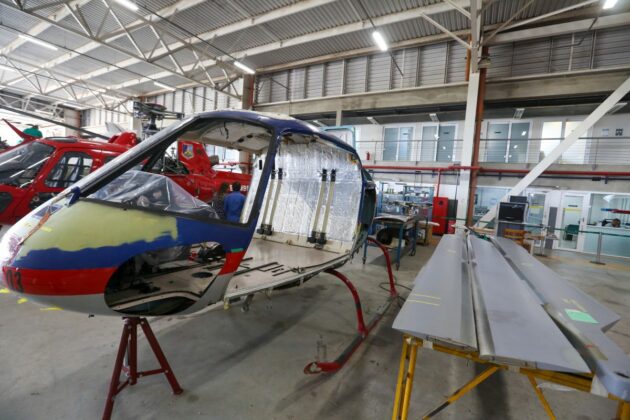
x=57, y=282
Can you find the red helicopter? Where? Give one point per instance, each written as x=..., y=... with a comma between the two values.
x=39, y=168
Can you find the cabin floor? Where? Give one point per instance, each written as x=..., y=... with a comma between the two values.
x=235, y=365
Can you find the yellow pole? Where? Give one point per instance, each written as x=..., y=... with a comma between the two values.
x=409, y=380
x=541, y=397
x=401, y=377
x=623, y=412
x=463, y=390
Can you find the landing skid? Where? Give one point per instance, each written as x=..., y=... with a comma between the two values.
x=363, y=330
x=129, y=348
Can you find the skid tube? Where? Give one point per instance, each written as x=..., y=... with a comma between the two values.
x=363, y=330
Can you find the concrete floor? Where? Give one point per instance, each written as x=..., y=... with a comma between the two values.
x=234, y=365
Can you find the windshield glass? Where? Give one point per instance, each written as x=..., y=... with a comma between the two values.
x=21, y=165
x=158, y=192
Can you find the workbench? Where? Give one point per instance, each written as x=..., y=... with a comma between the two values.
x=407, y=231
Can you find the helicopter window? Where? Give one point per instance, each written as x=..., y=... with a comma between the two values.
x=209, y=159
x=20, y=166
x=143, y=189
x=69, y=169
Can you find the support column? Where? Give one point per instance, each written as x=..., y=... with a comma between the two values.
x=72, y=117
x=470, y=145
x=338, y=117
x=472, y=124
x=248, y=91
x=247, y=102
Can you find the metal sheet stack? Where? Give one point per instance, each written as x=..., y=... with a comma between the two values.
x=493, y=298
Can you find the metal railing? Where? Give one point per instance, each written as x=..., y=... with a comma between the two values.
x=585, y=151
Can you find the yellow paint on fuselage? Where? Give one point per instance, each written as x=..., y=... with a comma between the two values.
x=93, y=225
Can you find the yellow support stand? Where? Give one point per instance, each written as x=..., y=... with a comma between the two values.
x=407, y=368
x=623, y=412
x=405, y=378
x=462, y=391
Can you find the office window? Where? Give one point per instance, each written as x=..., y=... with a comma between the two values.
x=507, y=142
x=397, y=143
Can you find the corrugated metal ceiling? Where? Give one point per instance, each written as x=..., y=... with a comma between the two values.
x=213, y=14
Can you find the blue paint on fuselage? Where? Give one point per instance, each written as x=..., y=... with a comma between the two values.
x=189, y=232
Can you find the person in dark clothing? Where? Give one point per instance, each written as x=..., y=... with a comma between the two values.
x=218, y=200
x=233, y=203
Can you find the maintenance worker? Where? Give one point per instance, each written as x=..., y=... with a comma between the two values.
x=233, y=203
x=218, y=201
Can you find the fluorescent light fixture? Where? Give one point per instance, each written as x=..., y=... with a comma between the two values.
x=372, y=120
x=38, y=42
x=319, y=123
x=380, y=41
x=244, y=67
x=162, y=85
x=434, y=117
x=7, y=68
x=518, y=113
x=609, y=4
x=128, y=4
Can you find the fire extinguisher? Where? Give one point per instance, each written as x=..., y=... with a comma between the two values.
x=367, y=156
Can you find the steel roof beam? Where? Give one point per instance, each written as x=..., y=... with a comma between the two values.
x=68, y=80
x=169, y=50
x=336, y=31
x=58, y=15
x=119, y=49
x=564, y=28
x=111, y=36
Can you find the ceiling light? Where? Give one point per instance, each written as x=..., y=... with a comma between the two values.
x=434, y=117
x=38, y=42
x=380, y=41
x=162, y=85
x=609, y=4
x=128, y=4
x=372, y=120
x=518, y=113
x=244, y=67
x=7, y=68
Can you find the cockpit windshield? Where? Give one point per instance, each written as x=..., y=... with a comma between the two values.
x=152, y=191
x=20, y=166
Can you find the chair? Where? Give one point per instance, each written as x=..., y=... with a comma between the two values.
x=571, y=230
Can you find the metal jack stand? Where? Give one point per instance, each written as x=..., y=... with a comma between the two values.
x=129, y=348
x=363, y=330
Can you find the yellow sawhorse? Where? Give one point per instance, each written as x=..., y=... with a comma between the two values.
x=407, y=369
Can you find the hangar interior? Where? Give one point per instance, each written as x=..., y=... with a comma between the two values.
x=436, y=129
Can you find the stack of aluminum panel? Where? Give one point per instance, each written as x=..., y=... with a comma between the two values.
x=494, y=298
